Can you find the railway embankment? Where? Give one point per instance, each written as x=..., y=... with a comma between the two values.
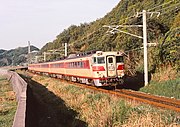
x=19, y=87
x=54, y=103
x=45, y=109
x=100, y=109
x=37, y=106
x=8, y=103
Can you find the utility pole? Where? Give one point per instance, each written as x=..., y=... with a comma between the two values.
x=44, y=56
x=114, y=29
x=65, y=49
x=29, y=52
x=36, y=59
x=145, y=48
x=29, y=47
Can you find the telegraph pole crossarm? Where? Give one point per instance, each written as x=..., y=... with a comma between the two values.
x=114, y=29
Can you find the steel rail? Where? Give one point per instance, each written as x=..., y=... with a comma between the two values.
x=163, y=102
x=165, y=99
x=158, y=101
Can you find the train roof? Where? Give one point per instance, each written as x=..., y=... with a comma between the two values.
x=79, y=55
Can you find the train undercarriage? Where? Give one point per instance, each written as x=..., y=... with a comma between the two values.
x=110, y=81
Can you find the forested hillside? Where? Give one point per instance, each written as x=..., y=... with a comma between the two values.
x=16, y=56
x=163, y=29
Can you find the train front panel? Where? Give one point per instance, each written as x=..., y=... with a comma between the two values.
x=107, y=68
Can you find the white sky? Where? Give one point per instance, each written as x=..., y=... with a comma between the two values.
x=40, y=21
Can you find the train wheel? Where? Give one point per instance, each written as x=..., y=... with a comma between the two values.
x=90, y=82
x=121, y=82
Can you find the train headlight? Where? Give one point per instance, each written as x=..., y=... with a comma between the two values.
x=119, y=53
x=120, y=75
x=99, y=53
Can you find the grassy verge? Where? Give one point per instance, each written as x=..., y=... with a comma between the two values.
x=169, y=88
x=102, y=110
x=8, y=103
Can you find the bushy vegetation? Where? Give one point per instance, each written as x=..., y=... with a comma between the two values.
x=8, y=103
x=169, y=88
x=163, y=30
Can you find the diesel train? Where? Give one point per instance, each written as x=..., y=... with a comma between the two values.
x=95, y=68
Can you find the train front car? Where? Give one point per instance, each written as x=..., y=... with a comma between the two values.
x=107, y=68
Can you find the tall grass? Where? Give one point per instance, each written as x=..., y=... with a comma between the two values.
x=169, y=88
x=102, y=110
x=8, y=103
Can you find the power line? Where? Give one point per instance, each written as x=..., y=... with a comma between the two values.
x=169, y=7
x=160, y=5
x=134, y=16
x=87, y=35
x=169, y=11
x=128, y=18
x=135, y=49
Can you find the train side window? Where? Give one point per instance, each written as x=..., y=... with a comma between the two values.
x=71, y=64
x=94, y=60
x=60, y=65
x=56, y=65
x=81, y=64
x=119, y=59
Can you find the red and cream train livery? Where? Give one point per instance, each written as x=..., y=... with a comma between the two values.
x=95, y=68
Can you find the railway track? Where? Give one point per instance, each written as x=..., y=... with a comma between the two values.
x=158, y=101
x=164, y=102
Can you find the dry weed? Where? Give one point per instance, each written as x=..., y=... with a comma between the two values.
x=164, y=74
x=101, y=110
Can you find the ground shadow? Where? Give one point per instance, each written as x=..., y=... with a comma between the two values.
x=45, y=109
x=134, y=82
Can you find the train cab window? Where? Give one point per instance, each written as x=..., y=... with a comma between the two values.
x=119, y=59
x=98, y=60
x=110, y=60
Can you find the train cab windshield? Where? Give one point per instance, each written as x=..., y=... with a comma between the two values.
x=119, y=59
x=98, y=60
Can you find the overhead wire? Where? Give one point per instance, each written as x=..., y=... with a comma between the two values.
x=136, y=49
x=160, y=5
x=135, y=15
x=169, y=11
x=169, y=7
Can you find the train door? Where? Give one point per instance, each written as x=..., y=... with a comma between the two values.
x=111, y=66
